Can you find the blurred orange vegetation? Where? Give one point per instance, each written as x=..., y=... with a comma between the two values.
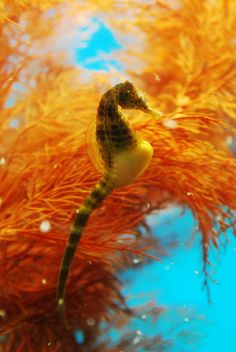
x=185, y=61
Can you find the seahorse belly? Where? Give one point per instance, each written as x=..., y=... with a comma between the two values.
x=130, y=164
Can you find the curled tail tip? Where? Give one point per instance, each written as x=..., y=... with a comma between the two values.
x=61, y=312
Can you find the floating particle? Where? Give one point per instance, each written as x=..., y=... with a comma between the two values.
x=44, y=281
x=90, y=322
x=139, y=332
x=170, y=123
x=136, y=340
x=2, y=161
x=136, y=260
x=45, y=226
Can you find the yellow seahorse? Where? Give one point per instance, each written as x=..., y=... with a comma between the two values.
x=125, y=156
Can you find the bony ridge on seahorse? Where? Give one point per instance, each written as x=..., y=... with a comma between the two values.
x=125, y=156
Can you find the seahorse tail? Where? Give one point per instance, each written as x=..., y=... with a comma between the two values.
x=93, y=200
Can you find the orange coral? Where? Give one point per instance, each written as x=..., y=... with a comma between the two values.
x=46, y=171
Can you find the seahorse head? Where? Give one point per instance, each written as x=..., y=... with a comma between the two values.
x=130, y=98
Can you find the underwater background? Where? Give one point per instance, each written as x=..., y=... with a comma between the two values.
x=58, y=72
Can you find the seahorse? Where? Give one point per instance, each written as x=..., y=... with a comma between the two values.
x=125, y=156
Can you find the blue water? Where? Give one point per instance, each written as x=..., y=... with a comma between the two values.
x=176, y=283
x=102, y=42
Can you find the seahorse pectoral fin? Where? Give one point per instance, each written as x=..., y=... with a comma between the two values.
x=131, y=163
x=93, y=149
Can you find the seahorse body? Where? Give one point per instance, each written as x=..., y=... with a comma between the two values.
x=125, y=156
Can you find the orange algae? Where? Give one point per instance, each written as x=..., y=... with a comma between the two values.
x=46, y=172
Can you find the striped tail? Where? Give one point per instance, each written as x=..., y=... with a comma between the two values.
x=94, y=199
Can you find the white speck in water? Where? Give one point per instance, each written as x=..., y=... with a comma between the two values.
x=14, y=123
x=229, y=140
x=136, y=340
x=189, y=194
x=61, y=302
x=136, y=260
x=144, y=316
x=139, y=333
x=2, y=313
x=44, y=281
x=45, y=226
x=2, y=161
x=169, y=123
x=186, y=320
x=90, y=322
x=49, y=343
x=196, y=272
